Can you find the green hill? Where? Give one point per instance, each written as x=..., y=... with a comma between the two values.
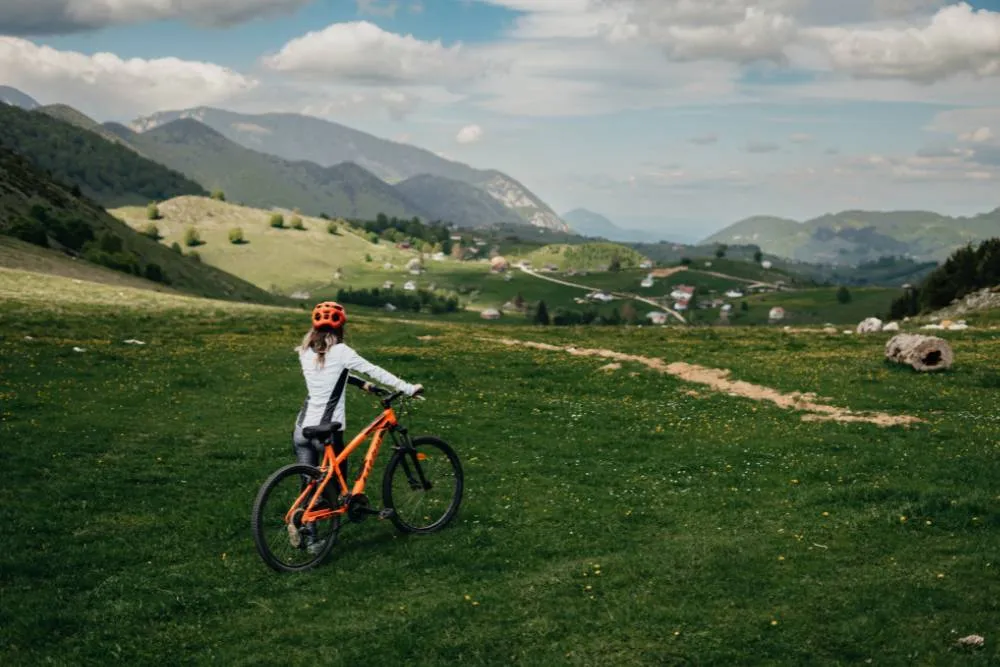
x=296, y=137
x=261, y=180
x=585, y=256
x=856, y=237
x=455, y=201
x=68, y=114
x=36, y=209
x=284, y=260
x=108, y=173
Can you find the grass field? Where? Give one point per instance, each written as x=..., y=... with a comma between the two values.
x=610, y=517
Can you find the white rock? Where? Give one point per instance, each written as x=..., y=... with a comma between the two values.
x=870, y=325
x=78, y=349
x=891, y=326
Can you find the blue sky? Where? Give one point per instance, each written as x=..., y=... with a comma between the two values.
x=661, y=114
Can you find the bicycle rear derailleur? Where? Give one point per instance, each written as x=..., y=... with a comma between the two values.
x=359, y=509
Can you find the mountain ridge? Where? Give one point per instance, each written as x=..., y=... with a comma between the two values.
x=297, y=137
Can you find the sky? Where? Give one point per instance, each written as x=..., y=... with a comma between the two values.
x=674, y=116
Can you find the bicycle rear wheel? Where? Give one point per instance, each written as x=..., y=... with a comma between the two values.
x=424, y=485
x=290, y=545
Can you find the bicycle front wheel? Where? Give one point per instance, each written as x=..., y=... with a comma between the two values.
x=423, y=484
x=283, y=540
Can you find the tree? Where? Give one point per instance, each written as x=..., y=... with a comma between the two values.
x=219, y=195
x=191, y=237
x=616, y=264
x=236, y=236
x=758, y=256
x=744, y=306
x=519, y=301
x=154, y=272
x=720, y=250
x=542, y=314
x=153, y=211
x=629, y=313
x=685, y=261
x=843, y=295
x=278, y=221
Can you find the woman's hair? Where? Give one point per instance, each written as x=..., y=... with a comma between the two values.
x=320, y=341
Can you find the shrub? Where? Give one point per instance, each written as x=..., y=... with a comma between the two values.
x=153, y=211
x=236, y=236
x=372, y=237
x=219, y=195
x=152, y=231
x=843, y=295
x=685, y=261
x=194, y=255
x=29, y=230
x=296, y=223
x=176, y=247
x=192, y=238
x=720, y=251
x=368, y=257
x=278, y=221
x=331, y=228
x=154, y=272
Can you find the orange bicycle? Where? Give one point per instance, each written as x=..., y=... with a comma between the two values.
x=297, y=514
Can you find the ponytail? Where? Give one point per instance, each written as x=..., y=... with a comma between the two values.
x=320, y=341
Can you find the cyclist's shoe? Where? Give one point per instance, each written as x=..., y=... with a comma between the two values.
x=293, y=535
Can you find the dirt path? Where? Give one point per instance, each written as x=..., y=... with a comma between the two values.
x=718, y=379
x=624, y=295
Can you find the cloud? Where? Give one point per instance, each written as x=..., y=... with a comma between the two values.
x=958, y=40
x=378, y=7
x=364, y=53
x=47, y=17
x=705, y=139
x=469, y=134
x=101, y=82
x=800, y=138
x=761, y=147
x=977, y=136
x=337, y=104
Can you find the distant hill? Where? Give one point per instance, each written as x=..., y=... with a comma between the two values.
x=36, y=209
x=594, y=256
x=454, y=201
x=68, y=114
x=855, y=237
x=588, y=223
x=107, y=172
x=265, y=181
x=295, y=137
x=15, y=97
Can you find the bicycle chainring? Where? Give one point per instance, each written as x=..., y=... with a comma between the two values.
x=356, y=506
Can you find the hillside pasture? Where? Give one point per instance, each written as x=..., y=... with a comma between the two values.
x=613, y=515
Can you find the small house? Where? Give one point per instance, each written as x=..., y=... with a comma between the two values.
x=646, y=264
x=490, y=314
x=777, y=313
x=410, y=286
x=647, y=281
x=388, y=284
x=656, y=317
x=734, y=294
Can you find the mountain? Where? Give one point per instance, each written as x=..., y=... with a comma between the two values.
x=266, y=181
x=855, y=237
x=588, y=223
x=68, y=114
x=295, y=137
x=16, y=98
x=455, y=201
x=39, y=210
x=106, y=172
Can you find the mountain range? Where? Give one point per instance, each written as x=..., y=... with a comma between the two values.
x=588, y=223
x=298, y=138
x=855, y=237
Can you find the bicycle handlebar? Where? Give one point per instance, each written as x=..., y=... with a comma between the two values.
x=386, y=402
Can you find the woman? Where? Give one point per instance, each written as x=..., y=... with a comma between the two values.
x=326, y=364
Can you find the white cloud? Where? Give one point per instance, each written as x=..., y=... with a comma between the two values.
x=362, y=52
x=757, y=35
x=105, y=85
x=800, y=138
x=338, y=104
x=42, y=17
x=957, y=40
x=378, y=7
x=761, y=147
x=978, y=136
x=469, y=134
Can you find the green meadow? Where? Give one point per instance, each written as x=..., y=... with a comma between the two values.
x=611, y=515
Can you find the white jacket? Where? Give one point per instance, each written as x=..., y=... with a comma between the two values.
x=325, y=400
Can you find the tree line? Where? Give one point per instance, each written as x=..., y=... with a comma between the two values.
x=967, y=270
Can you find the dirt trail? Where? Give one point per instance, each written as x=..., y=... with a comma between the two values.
x=718, y=379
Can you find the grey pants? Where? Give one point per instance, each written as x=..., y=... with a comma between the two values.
x=309, y=451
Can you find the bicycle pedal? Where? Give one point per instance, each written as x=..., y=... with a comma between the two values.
x=386, y=513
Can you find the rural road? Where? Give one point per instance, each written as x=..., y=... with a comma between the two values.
x=626, y=295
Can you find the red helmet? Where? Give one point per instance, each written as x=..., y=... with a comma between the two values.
x=328, y=314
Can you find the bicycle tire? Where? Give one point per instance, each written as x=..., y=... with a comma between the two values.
x=403, y=460
x=257, y=518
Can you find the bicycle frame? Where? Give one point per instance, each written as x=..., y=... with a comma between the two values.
x=384, y=423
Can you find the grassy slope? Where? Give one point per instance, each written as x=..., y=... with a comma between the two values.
x=107, y=172
x=22, y=187
x=585, y=256
x=286, y=258
x=258, y=179
x=68, y=114
x=710, y=529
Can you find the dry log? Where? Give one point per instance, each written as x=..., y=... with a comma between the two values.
x=923, y=353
